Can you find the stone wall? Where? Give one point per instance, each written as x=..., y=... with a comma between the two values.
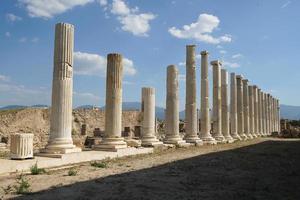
x=36, y=121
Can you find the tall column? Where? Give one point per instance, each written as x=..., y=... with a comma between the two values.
x=205, y=117
x=225, y=111
x=190, y=101
x=112, y=140
x=240, y=104
x=255, y=96
x=278, y=117
x=148, y=124
x=246, y=109
x=251, y=111
x=266, y=113
x=172, y=108
x=233, y=108
x=271, y=114
x=60, y=141
x=263, y=114
x=259, y=112
x=217, y=104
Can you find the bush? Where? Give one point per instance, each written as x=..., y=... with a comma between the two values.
x=72, y=172
x=99, y=164
x=35, y=170
x=23, y=186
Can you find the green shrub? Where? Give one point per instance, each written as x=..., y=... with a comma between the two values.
x=72, y=172
x=35, y=170
x=23, y=186
x=99, y=164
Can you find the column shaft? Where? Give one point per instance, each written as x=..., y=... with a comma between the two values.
x=246, y=109
x=240, y=110
x=233, y=108
x=251, y=111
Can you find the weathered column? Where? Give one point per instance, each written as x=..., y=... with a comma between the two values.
x=259, y=112
x=191, y=132
x=246, y=109
x=225, y=110
x=255, y=96
x=251, y=111
x=278, y=117
x=233, y=108
x=263, y=114
x=172, y=108
x=271, y=115
x=240, y=110
x=217, y=104
x=21, y=146
x=60, y=141
x=268, y=115
x=148, y=124
x=112, y=140
x=205, y=117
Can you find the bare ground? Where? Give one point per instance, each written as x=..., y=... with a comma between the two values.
x=264, y=168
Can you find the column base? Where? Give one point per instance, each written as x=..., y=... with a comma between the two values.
x=254, y=135
x=258, y=134
x=59, y=146
x=176, y=140
x=236, y=137
x=193, y=139
x=220, y=139
x=111, y=144
x=208, y=140
x=150, y=141
x=229, y=139
x=243, y=136
x=249, y=136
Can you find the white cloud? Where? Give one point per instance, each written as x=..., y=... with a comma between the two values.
x=94, y=64
x=23, y=39
x=235, y=56
x=12, y=17
x=4, y=78
x=286, y=4
x=7, y=34
x=86, y=95
x=35, y=40
x=48, y=8
x=219, y=47
x=201, y=30
x=223, y=52
x=132, y=21
x=181, y=64
x=230, y=64
x=103, y=2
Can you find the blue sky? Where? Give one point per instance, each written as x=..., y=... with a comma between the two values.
x=257, y=38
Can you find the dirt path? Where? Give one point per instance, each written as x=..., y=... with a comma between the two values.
x=263, y=168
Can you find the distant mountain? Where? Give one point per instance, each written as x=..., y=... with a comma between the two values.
x=86, y=107
x=13, y=107
x=290, y=112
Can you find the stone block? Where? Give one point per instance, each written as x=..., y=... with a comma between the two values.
x=21, y=146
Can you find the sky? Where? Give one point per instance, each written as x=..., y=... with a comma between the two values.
x=258, y=39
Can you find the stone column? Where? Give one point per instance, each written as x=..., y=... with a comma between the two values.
x=21, y=146
x=112, y=140
x=240, y=110
x=233, y=108
x=217, y=104
x=255, y=96
x=266, y=113
x=263, y=113
x=205, y=117
x=251, y=111
x=259, y=112
x=225, y=110
x=246, y=109
x=60, y=141
x=191, y=132
x=278, y=116
x=148, y=124
x=271, y=115
x=172, y=108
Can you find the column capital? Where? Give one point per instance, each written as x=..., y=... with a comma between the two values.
x=216, y=62
x=239, y=77
x=191, y=45
x=203, y=53
x=245, y=81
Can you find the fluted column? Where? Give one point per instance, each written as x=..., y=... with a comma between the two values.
x=259, y=112
x=271, y=115
x=205, y=117
x=278, y=116
x=263, y=114
x=60, y=141
x=112, y=140
x=268, y=114
x=225, y=110
x=148, y=124
x=172, y=108
x=217, y=104
x=256, y=122
x=246, y=109
x=191, y=132
x=251, y=111
x=240, y=110
x=233, y=108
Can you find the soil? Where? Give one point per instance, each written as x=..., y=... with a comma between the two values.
x=263, y=168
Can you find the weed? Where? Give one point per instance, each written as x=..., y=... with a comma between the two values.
x=72, y=172
x=23, y=186
x=35, y=170
x=99, y=164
